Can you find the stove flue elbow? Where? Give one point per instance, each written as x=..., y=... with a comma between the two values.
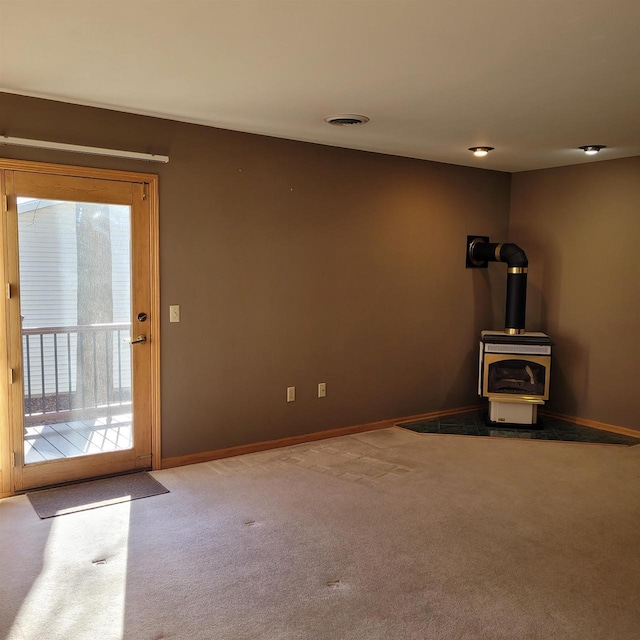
x=480, y=251
x=513, y=255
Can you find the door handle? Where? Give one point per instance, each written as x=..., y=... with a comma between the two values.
x=141, y=339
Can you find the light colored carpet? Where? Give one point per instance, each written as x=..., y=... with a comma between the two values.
x=49, y=503
x=384, y=535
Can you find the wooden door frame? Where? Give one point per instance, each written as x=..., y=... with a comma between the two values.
x=150, y=185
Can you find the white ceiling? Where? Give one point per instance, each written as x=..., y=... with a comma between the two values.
x=533, y=78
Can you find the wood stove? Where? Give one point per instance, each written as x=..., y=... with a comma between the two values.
x=514, y=374
x=515, y=365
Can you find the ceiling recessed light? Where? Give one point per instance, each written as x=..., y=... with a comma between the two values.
x=480, y=152
x=592, y=149
x=346, y=120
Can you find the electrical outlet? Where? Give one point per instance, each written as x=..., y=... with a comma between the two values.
x=322, y=389
x=291, y=394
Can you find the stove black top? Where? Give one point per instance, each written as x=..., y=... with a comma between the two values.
x=499, y=337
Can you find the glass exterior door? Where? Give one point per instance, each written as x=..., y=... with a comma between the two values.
x=81, y=397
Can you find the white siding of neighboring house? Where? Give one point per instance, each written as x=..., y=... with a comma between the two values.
x=49, y=286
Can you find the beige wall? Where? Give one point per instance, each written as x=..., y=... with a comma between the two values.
x=580, y=228
x=296, y=264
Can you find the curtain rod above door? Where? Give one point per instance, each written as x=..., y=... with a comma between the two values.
x=77, y=148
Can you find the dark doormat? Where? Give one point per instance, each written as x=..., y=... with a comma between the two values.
x=59, y=501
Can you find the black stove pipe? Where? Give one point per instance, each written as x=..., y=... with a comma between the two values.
x=481, y=251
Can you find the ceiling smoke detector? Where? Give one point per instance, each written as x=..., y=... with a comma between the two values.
x=346, y=120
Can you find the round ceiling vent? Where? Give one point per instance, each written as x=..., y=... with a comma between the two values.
x=346, y=120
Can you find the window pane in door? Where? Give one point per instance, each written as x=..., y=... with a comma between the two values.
x=75, y=301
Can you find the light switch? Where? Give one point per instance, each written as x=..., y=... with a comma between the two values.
x=174, y=313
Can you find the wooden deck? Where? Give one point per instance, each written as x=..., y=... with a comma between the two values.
x=79, y=438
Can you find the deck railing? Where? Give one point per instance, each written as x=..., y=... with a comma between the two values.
x=74, y=368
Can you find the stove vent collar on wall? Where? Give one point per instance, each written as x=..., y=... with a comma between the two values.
x=478, y=255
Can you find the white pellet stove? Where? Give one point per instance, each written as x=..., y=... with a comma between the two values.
x=515, y=365
x=514, y=375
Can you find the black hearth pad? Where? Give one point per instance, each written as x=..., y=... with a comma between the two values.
x=476, y=423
